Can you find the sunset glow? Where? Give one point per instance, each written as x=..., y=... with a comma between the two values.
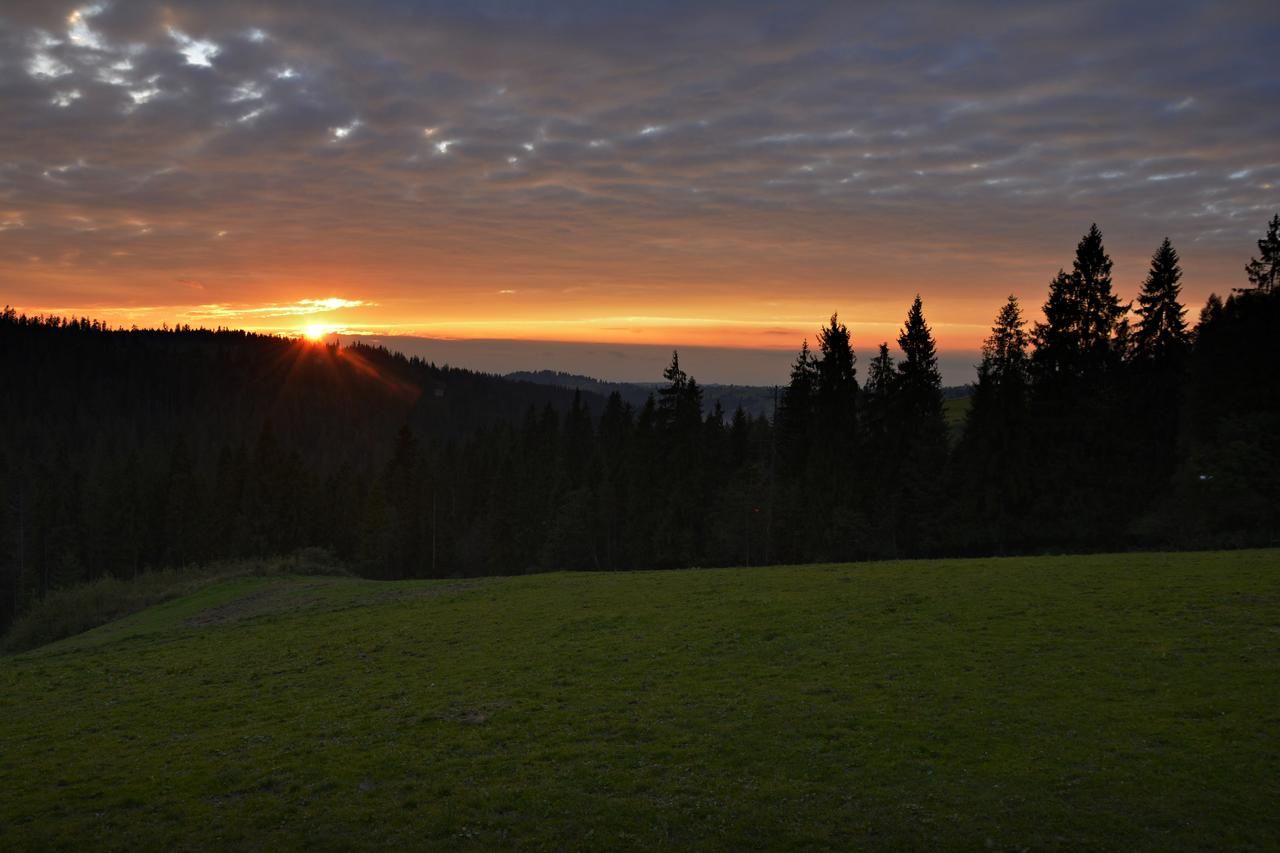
x=547, y=424
x=488, y=175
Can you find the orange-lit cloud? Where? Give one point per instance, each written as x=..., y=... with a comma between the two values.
x=657, y=172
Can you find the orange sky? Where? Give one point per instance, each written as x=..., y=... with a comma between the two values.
x=657, y=173
x=762, y=311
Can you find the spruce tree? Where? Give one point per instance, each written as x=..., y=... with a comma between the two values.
x=1161, y=335
x=671, y=396
x=1211, y=311
x=837, y=394
x=1004, y=352
x=882, y=380
x=881, y=375
x=1082, y=439
x=921, y=438
x=1264, y=271
x=989, y=482
x=837, y=371
x=804, y=378
x=883, y=451
x=830, y=459
x=1081, y=316
x=919, y=381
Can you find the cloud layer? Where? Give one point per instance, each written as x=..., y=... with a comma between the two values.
x=570, y=169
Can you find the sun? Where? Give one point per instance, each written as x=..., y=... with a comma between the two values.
x=315, y=333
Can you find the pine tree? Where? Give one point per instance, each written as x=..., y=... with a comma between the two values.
x=1081, y=437
x=837, y=371
x=881, y=375
x=919, y=382
x=989, y=482
x=1004, y=352
x=799, y=396
x=837, y=376
x=1161, y=334
x=1211, y=311
x=815, y=517
x=1081, y=316
x=1264, y=271
x=804, y=379
x=882, y=452
x=882, y=380
x=680, y=403
x=921, y=434
x=670, y=396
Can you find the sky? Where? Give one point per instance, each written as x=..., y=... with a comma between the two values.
x=638, y=174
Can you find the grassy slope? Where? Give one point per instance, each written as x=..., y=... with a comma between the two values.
x=955, y=411
x=1081, y=702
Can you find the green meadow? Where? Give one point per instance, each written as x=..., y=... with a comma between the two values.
x=1119, y=701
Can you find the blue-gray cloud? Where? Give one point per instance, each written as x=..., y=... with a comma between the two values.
x=685, y=142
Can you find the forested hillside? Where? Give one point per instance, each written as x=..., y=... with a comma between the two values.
x=1107, y=425
x=127, y=450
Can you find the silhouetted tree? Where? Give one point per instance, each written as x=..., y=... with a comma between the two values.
x=1081, y=314
x=1264, y=270
x=1004, y=353
x=837, y=376
x=797, y=410
x=124, y=451
x=1161, y=335
x=919, y=421
x=1227, y=488
x=833, y=475
x=1150, y=398
x=919, y=382
x=882, y=382
x=990, y=482
x=794, y=525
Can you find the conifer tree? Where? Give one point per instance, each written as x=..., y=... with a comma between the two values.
x=1004, y=352
x=1212, y=309
x=837, y=371
x=881, y=381
x=799, y=396
x=1081, y=437
x=837, y=376
x=1161, y=334
x=680, y=403
x=989, y=484
x=919, y=382
x=671, y=396
x=1081, y=316
x=1264, y=270
x=922, y=436
x=804, y=379
x=880, y=376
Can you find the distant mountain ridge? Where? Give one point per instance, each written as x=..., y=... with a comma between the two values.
x=755, y=400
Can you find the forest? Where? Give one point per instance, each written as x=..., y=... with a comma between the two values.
x=1106, y=426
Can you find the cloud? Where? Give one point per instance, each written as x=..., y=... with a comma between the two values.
x=301, y=308
x=652, y=154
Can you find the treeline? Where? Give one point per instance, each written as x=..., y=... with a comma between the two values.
x=1106, y=425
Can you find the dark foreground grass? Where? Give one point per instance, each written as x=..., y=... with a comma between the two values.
x=1087, y=702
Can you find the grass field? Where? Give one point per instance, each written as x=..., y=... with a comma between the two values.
x=1126, y=701
x=955, y=411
